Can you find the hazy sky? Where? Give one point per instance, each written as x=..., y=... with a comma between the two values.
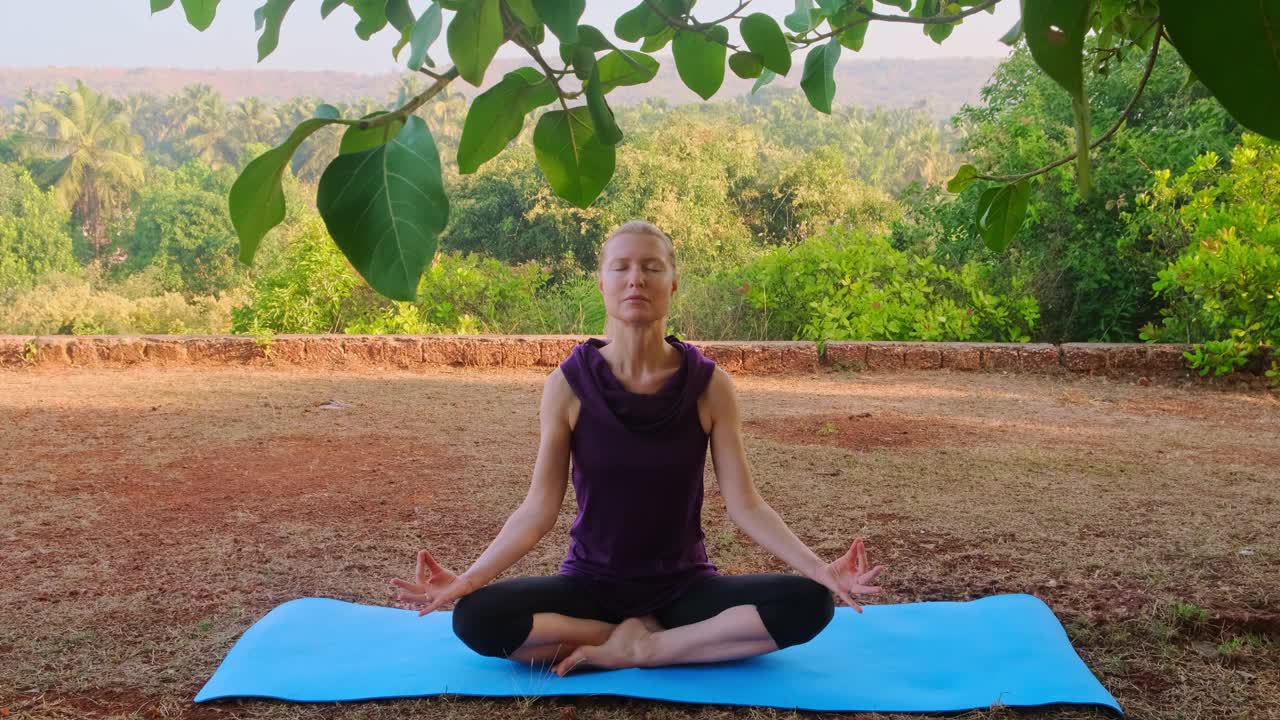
x=123, y=33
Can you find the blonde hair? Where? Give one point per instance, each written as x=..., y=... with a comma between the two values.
x=640, y=227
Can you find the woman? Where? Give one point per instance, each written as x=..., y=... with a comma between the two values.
x=636, y=588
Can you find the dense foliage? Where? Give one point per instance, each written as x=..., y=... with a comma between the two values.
x=788, y=224
x=387, y=157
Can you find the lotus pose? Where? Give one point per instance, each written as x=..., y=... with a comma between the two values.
x=635, y=588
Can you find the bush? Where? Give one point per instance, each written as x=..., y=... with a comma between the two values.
x=848, y=286
x=315, y=290
x=33, y=231
x=69, y=305
x=1223, y=291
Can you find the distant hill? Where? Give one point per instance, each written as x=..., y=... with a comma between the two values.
x=941, y=86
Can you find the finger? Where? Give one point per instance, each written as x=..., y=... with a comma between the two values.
x=575, y=658
x=430, y=608
x=411, y=587
x=862, y=555
x=431, y=563
x=420, y=570
x=410, y=596
x=849, y=599
x=870, y=575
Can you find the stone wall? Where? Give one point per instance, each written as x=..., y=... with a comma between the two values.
x=404, y=351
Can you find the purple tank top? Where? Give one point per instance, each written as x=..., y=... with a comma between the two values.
x=638, y=462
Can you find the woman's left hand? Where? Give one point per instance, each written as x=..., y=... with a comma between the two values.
x=850, y=574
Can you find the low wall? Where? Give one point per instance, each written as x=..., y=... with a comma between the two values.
x=407, y=351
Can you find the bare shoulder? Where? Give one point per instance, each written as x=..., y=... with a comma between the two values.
x=719, y=402
x=721, y=386
x=558, y=398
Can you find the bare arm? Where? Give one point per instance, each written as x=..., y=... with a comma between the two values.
x=746, y=508
x=537, y=514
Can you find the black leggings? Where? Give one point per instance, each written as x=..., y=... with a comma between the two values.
x=496, y=619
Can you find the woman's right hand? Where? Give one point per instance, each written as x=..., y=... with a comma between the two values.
x=434, y=585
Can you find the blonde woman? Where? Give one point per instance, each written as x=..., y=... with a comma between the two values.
x=635, y=414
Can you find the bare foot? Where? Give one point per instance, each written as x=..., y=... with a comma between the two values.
x=651, y=623
x=630, y=645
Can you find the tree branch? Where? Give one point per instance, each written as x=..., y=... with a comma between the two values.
x=1133, y=102
x=410, y=107
x=868, y=16
x=742, y=4
x=552, y=75
x=933, y=20
x=679, y=24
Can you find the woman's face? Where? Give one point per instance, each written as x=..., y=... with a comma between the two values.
x=636, y=278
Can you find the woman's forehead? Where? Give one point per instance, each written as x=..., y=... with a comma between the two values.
x=634, y=246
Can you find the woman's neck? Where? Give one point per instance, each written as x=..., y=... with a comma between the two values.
x=639, y=352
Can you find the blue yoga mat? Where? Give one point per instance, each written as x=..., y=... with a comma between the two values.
x=915, y=657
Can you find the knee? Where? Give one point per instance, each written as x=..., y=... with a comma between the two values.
x=816, y=606
x=805, y=612
x=488, y=632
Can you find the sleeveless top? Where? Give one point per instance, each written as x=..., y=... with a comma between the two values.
x=638, y=463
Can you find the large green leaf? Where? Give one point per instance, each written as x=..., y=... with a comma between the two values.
x=199, y=12
x=425, y=31
x=746, y=65
x=256, y=201
x=577, y=165
x=615, y=69
x=400, y=15
x=659, y=40
x=372, y=14
x=857, y=22
x=271, y=15
x=524, y=12
x=903, y=5
x=1001, y=211
x=765, y=78
x=602, y=119
x=591, y=40
x=1234, y=50
x=802, y=20
x=764, y=38
x=385, y=207
x=638, y=22
x=357, y=139
x=700, y=59
x=963, y=178
x=328, y=6
x=1055, y=31
x=561, y=16
x=819, y=79
x=497, y=115
x=158, y=5
x=474, y=36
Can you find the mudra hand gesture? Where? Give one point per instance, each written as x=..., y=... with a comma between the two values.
x=850, y=574
x=434, y=585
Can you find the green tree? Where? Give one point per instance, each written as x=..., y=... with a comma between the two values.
x=1091, y=285
x=33, y=231
x=181, y=229
x=1228, y=46
x=96, y=157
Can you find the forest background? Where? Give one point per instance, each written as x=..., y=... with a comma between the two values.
x=789, y=224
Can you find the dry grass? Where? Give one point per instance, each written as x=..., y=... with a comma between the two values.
x=150, y=517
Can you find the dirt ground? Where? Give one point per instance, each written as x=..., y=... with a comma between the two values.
x=148, y=517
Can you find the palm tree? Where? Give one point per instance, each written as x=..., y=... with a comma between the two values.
x=253, y=121
x=98, y=161
x=208, y=133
